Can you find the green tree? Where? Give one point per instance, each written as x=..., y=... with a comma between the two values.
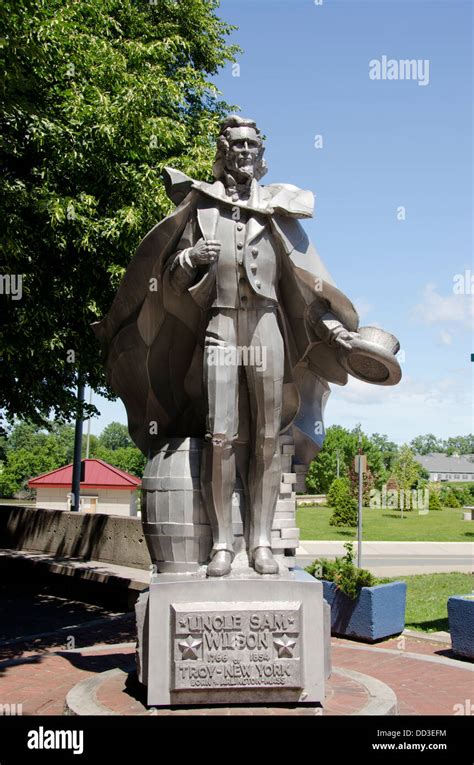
x=96, y=98
x=434, y=501
x=460, y=444
x=407, y=472
x=406, y=468
x=3, y=439
x=31, y=450
x=345, y=508
x=448, y=497
x=388, y=449
x=427, y=444
x=115, y=436
x=462, y=494
x=337, y=489
x=127, y=458
x=343, y=443
x=338, y=442
x=28, y=462
x=25, y=435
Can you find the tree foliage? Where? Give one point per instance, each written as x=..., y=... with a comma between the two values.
x=338, y=488
x=323, y=469
x=449, y=498
x=434, y=501
x=345, y=507
x=96, y=98
x=127, y=458
x=406, y=469
x=31, y=450
x=429, y=444
x=115, y=436
x=368, y=484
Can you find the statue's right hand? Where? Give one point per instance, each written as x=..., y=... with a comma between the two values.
x=205, y=251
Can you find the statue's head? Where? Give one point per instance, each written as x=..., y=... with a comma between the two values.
x=239, y=150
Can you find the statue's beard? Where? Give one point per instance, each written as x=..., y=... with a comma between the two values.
x=241, y=174
x=247, y=170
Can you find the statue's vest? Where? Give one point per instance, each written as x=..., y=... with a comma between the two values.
x=247, y=271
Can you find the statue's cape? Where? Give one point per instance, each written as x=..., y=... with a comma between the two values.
x=152, y=338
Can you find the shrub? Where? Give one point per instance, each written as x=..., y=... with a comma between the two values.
x=343, y=572
x=448, y=498
x=345, y=507
x=434, y=501
x=338, y=488
x=462, y=494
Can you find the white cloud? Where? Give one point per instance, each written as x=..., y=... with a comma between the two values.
x=442, y=406
x=445, y=338
x=436, y=308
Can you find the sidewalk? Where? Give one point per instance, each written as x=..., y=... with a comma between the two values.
x=397, y=558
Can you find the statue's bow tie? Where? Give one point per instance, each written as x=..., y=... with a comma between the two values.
x=242, y=189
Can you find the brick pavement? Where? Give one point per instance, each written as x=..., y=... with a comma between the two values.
x=39, y=673
x=422, y=687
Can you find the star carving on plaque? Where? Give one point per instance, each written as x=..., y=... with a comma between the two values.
x=189, y=646
x=285, y=646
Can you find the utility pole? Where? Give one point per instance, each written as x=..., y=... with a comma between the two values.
x=77, y=464
x=359, y=513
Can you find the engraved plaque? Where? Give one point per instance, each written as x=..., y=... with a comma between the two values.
x=236, y=645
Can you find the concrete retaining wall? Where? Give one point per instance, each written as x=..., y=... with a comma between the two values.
x=79, y=535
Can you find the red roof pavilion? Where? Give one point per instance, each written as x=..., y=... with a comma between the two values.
x=97, y=475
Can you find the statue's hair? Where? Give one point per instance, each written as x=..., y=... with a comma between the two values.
x=233, y=121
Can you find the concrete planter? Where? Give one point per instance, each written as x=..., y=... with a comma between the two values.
x=461, y=624
x=376, y=613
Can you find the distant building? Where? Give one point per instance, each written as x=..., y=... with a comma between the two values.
x=104, y=489
x=444, y=468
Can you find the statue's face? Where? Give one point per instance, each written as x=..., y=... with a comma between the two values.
x=242, y=155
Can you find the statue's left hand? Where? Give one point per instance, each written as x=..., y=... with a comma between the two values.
x=342, y=337
x=333, y=332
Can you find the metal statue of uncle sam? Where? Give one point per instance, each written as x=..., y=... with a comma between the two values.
x=227, y=329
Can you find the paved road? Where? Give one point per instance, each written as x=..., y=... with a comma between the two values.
x=398, y=558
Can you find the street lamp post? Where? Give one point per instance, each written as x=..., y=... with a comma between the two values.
x=77, y=464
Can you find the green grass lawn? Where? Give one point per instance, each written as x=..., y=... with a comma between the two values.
x=427, y=599
x=387, y=526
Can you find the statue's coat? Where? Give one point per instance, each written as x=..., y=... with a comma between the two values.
x=152, y=337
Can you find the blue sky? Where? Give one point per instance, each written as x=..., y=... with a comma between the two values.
x=386, y=144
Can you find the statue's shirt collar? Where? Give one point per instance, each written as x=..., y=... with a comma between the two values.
x=280, y=198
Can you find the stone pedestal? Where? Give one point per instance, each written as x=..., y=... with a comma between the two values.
x=245, y=638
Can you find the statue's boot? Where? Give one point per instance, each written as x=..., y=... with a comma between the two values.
x=264, y=485
x=217, y=486
x=264, y=562
x=220, y=564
